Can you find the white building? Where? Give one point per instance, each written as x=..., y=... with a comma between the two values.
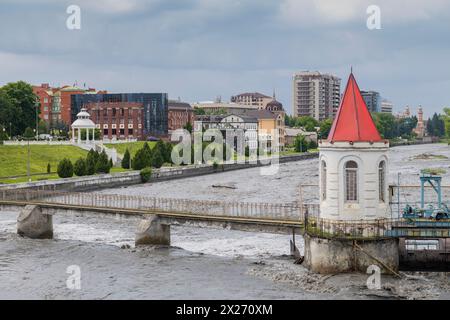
x=353, y=164
x=386, y=106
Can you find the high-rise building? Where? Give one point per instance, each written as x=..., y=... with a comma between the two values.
x=154, y=116
x=386, y=106
x=316, y=94
x=373, y=100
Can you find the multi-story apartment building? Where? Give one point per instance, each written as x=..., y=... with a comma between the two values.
x=255, y=99
x=153, y=117
x=117, y=120
x=55, y=102
x=386, y=106
x=180, y=114
x=316, y=94
x=373, y=100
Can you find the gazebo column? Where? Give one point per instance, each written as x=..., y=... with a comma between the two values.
x=73, y=135
x=79, y=135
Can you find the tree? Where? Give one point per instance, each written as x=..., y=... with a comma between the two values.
x=80, y=167
x=91, y=162
x=126, y=160
x=42, y=127
x=199, y=111
x=386, y=125
x=300, y=143
x=24, y=105
x=142, y=158
x=29, y=133
x=102, y=165
x=49, y=168
x=9, y=114
x=447, y=122
x=325, y=127
x=157, y=158
x=188, y=127
x=65, y=168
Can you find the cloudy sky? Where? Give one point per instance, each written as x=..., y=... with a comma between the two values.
x=200, y=49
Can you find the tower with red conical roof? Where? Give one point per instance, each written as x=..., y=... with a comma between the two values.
x=353, y=163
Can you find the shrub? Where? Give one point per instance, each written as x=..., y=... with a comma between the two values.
x=146, y=174
x=49, y=168
x=126, y=160
x=111, y=164
x=312, y=145
x=102, y=165
x=300, y=144
x=65, y=168
x=80, y=168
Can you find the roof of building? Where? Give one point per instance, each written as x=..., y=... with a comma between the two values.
x=353, y=121
x=293, y=132
x=274, y=104
x=258, y=114
x=253, y=94
x=178, y=105
x=83, y=121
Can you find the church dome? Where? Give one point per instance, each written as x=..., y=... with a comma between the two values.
x=274, y=105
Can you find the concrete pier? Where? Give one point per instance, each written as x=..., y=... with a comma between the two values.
x=328, y=256
x=152, y=231
x=32, y=223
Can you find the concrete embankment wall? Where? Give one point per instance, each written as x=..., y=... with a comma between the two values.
x=130, y=178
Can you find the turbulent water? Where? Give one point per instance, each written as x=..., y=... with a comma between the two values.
x=202, y=263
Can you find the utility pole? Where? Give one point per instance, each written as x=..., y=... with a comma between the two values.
x=37, y=122
x=28, y=161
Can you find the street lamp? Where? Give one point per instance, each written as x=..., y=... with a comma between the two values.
x=28, y=160
x=10, y=131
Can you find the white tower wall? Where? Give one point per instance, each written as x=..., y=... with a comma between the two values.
x=368, y=157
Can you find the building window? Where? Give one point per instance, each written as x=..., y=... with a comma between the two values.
x=351, y=181
x=114, y=132
x=324, y=180
x=130, y=132
x=105, y=132
x=382, y=180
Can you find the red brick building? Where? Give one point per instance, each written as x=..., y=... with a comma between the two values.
x=117, y=120
x=180, y=114
x=55, y=102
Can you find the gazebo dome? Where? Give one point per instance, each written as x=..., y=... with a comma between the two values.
x=83, y=121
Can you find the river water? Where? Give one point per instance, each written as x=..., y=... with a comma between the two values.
x=202, y=263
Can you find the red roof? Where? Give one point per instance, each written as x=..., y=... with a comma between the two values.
x=353, y=121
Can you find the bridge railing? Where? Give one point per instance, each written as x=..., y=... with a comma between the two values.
x=351, y=229
x=289, y=212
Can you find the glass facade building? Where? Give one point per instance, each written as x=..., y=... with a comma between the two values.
x=155, y=106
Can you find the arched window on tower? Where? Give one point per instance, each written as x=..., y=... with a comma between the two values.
x=351, y=181
x=324, y=180
x=382, y=180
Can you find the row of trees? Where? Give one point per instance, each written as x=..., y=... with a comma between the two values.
x=391, y=127
x=95, y=162
x=436, y=125
x=309, y=124
x=147, y=157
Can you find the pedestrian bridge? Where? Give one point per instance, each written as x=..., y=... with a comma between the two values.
x=257, y=217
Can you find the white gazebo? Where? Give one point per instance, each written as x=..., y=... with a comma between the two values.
x=83, y=122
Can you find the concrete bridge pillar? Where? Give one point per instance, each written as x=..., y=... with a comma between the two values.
x=32, y=223
x=152, y=231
